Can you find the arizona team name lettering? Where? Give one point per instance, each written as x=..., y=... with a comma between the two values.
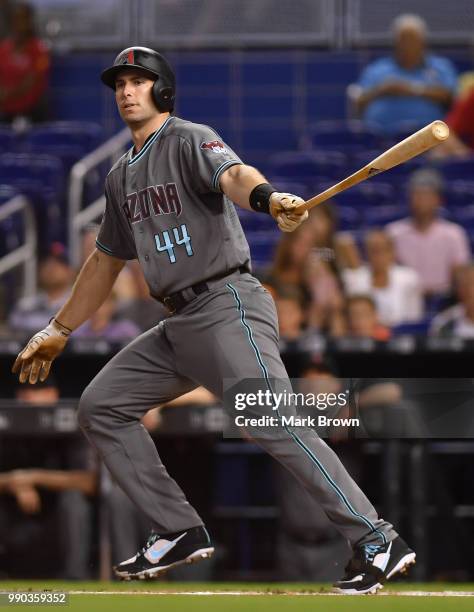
x=154, y=200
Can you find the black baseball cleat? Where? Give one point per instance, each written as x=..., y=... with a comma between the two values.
x=161, y=553
x=373, y=564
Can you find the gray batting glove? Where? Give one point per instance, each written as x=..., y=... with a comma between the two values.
x=282, y=209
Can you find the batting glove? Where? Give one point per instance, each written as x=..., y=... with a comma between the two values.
x=282, y=209
x=35, y=360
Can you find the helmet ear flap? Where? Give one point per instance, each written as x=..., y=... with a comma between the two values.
x=163, y=97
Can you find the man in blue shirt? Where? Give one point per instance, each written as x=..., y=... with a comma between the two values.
x=409, y=89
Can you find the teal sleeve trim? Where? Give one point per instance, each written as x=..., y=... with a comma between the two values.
x=220, y=170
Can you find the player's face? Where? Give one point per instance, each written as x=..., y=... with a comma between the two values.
x=133, y=93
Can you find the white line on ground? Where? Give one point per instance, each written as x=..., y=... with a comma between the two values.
x=277, y=593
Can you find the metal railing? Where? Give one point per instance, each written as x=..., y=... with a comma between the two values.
x=78, y=216
x=26, y=254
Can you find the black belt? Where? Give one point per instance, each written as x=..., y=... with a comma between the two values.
x=177, y=301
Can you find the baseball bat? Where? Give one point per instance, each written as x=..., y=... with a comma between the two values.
x=419, y=142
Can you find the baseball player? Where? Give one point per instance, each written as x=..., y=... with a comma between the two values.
x=169, y=204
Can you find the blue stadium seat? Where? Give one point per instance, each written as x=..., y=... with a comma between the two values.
x=7, y=192
x=379, y=216
x=299, y=189
x=349, y=218
x=252, y=221
x=69, y=140
x=435, y=304
x=11, y=229
x=420, y=328
x=459, y=169
x=41, y=178
x=353, y=197
x=8, y=139
x=459, y=194
x=263, y=245
x=347, y=137
x=45, y=171
x=307, y=167
x=464, y=215
x=378, y=192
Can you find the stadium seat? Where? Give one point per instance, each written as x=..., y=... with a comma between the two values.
x=68, y=140
x=252, y=221
x=262, y=245
x=379, y=192
x=455, y=170
x=464, y=215
x=11, y=228
x=420, y=328
x=7, y=192
x=349, y=218
x=41, y=178
x=379, y=216
x=307, y=167
x=345, y=137
x=286, y=186
x=8, y=139
x=459, y=194
x=46, y=171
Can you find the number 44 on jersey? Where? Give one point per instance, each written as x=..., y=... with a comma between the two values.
x=168, y=245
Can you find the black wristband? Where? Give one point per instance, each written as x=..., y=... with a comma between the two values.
x=60, y=324
x=259, y=199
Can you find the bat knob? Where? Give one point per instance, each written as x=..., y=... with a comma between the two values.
x=440, y=130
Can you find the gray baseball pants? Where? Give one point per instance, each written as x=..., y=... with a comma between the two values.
x=229, y=332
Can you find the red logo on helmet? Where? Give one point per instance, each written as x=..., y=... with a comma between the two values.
x=131, y=57
x=215, y=145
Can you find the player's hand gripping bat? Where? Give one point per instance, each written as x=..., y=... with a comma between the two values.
x=419, y=142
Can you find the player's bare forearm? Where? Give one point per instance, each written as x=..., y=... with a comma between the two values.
x=92, y=286
x=239, y=181
x=60, y=480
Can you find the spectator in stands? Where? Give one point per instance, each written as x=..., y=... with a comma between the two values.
x=321, y=271
x=432, y=246
x=363, y=320
x=461, y=123
x=24, y=69
x=291, y=313
x=306, y=259
x=45, y=500
x=458, y=320
x=107, y=323
x=395, y=289
x=410, y=89
x=292, y=252
x=55, y=276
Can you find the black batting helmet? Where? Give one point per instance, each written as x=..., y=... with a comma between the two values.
x=157, y=68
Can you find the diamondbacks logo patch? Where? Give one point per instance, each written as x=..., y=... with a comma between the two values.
x=216, y=146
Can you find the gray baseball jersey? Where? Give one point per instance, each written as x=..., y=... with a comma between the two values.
x=164, y=207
